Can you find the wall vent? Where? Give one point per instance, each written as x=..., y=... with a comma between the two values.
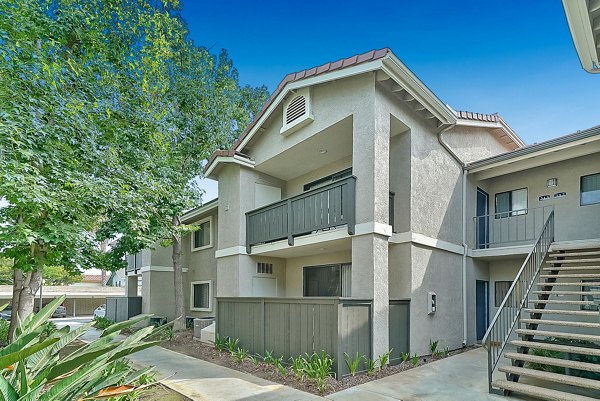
x=296, y=111
x=264, y=268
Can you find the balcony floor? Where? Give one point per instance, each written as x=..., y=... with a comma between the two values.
x=322, y=242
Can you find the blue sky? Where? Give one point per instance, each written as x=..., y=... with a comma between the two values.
x=511, y=57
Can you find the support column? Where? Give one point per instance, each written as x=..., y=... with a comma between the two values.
x=370, y=165
x=131, y=289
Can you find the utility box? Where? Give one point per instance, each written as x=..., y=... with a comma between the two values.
x=431, y=303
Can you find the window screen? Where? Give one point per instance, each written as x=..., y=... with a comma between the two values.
x=202, y=235
x=590, y=189
x=201, y=295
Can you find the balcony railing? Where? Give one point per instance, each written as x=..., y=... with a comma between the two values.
x=510, y=228
x=330, y=206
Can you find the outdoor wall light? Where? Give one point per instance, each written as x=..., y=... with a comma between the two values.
x=552, y=182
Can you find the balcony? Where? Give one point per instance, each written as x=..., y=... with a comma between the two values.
x=513, y=228
x=330, y=206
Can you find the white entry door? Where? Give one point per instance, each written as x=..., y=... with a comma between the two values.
x=264, y=286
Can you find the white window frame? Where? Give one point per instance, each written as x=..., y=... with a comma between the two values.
x=210, y=296
x=210, y=234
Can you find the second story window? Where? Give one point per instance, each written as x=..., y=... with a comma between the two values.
x=511, y=203
x=590, y=189
x=321, y=182
x=202, y=237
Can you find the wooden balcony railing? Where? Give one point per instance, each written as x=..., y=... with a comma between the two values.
x=330, y=206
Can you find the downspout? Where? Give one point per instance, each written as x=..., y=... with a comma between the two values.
x=463, y=225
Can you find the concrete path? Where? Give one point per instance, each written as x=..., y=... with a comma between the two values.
x=205, y=381
x=461, y=377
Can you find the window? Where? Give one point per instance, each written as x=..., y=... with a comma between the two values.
x=202, y=237
x=201, y=297
x=501, y=289
x=321, y=182
x=511, y=203
x=264, y=268
x=590, y=189
x=327, y=281
x=594, y=295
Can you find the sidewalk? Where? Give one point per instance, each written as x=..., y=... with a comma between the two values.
x=205, y=381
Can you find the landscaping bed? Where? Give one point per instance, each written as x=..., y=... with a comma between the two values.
x=185, y=344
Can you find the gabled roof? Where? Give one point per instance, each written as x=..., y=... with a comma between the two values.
x=506, y=135
x=374, y=60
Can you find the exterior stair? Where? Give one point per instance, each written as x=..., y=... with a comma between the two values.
x=557, y=354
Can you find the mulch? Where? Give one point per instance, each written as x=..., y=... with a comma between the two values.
x=185, y=344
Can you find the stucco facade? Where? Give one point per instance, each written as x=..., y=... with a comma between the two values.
x=402, y=145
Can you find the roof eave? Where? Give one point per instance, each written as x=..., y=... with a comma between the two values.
x=578, y=18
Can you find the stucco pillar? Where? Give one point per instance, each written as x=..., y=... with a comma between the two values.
x=131, y=289
x=370, y=165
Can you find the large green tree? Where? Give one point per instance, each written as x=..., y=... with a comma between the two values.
x=93, y=100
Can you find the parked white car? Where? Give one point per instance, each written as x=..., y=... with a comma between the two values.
x=100, y=311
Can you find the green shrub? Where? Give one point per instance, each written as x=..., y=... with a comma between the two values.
x=433, y=346
x=31, y=369
x=370, y=365
x=102, y=323
x=353, y=363
x=4, y=327
x=232, y=344
x=415, y=360
x=405, y=356
x=49, y=328
x=239, y=354
x=220, y=343
x=384, y=359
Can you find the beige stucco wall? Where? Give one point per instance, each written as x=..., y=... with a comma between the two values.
x=439, y=272
x=474, y=143
x=572, y=221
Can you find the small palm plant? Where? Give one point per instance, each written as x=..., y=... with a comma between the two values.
x=31, y=368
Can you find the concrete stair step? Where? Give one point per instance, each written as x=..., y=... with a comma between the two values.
x=539, y=392
x=574, y=254
x=563, y=323
x=563, y=312
x=552, y=377
x=566, y=292
x=571, y=268
x=571, y=284
x=570, y=336
x=569, y=261
x=572, y=275
x=564, y=363
x=557, y=347
x=561, y=302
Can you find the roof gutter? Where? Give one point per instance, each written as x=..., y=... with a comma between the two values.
x=578, y=18
x=464, y=172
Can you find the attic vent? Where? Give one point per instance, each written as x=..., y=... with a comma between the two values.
x=296, y=109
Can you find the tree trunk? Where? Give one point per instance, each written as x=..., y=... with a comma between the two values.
x=25, y=286
x=179, y=323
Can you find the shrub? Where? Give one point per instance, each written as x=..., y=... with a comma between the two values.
x=405, y=356
x=102, y=323
x=239, y=354
x=384, y=359
x=232, y=344
x=415, y=360
x=220, y=343
x=4, y=327
x=433, y=346
x=353, y=363
x=370, y=365
x=31, y=368
x=318, y=367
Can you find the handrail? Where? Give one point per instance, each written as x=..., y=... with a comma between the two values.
x=510, y=227
x=509, y=312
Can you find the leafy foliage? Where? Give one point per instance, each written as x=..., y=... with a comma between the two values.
x=239, y=355
x=31, y=367
x=384, y=359
x=220, y=342
x=370, y=365
x=4, y=326
x=353, y=363
x=102, y=323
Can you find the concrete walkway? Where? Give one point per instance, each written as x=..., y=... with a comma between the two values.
x=205, y=381
x=461, y=377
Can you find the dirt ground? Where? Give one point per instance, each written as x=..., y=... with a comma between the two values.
x=185, y=344
x=162, y=393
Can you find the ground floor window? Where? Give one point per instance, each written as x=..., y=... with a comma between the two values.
x=327, y=281
x=500, y=290
x=201, y=296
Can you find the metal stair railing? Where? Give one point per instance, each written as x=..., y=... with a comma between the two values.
x=509, y=312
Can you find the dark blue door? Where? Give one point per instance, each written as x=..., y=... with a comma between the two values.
x=482, y=223
x=482, y=307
